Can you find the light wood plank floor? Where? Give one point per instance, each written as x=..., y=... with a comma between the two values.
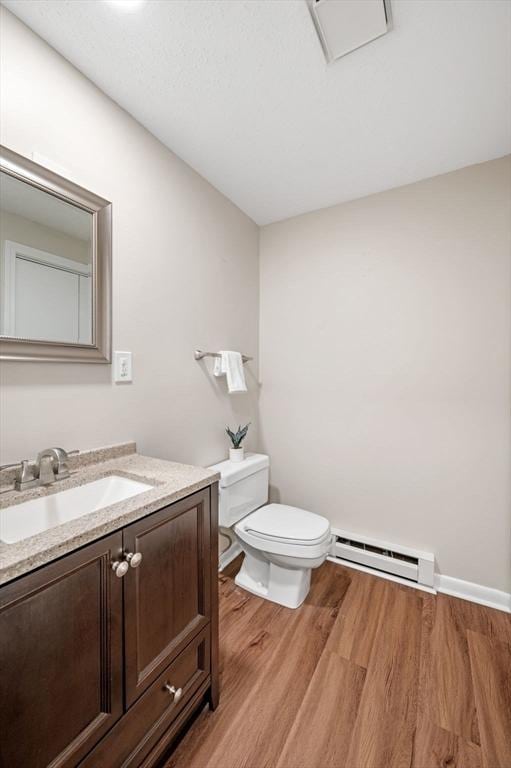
x=366, y=674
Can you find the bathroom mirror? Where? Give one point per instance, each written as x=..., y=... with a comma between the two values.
x=55, y=266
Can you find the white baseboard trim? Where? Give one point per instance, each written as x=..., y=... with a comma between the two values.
x=448, y=585
x=476, y=593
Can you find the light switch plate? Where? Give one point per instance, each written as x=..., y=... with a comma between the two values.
x=122, y=367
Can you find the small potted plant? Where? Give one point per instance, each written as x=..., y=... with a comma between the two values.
x=237, y=452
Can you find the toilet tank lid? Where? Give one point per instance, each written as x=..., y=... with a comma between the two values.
x=233, y=471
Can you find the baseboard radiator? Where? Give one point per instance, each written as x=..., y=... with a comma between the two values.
x=384, y=559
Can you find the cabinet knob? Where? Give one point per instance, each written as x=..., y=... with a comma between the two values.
x=176, y=693
x=134, y=559
x=120, y=568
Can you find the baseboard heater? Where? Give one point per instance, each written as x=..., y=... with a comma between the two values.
x=389, y=560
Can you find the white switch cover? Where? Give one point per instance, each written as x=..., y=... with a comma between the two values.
x=122, y=367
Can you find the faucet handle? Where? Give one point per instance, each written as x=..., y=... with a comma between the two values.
x=25, y=477
x=25, y=471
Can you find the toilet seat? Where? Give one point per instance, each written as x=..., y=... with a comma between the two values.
x=283, y=530
x=280, y=522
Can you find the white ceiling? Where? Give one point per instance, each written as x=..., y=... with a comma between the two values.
x=241, y=91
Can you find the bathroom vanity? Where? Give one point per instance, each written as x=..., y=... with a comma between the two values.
x=109, y=622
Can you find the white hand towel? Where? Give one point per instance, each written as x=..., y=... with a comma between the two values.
x=230, y=364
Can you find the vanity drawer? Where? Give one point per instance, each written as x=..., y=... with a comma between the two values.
x=130, y=741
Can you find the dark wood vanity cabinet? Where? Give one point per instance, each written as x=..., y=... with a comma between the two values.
x=101, y=671
x=61, y=658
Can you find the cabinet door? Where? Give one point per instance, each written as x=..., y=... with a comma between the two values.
x=167, y=598
x=61, y=658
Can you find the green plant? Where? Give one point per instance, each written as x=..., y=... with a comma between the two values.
x=238, y=437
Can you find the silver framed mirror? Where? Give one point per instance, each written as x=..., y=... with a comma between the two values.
x=55, y=266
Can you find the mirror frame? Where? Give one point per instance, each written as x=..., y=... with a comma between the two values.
x=12, y=348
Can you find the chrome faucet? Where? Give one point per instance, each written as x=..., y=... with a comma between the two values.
x=50, y=465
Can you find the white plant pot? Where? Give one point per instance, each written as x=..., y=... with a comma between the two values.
x=236, y=454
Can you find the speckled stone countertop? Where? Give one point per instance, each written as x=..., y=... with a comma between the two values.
x=171, y=482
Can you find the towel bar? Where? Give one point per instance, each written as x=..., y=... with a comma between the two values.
x=199, y=354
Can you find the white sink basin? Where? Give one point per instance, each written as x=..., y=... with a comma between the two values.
x=31, y=517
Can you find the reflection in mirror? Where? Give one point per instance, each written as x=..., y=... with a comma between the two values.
x=45, y=266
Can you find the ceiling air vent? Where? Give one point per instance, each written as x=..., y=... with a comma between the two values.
x=345, y=25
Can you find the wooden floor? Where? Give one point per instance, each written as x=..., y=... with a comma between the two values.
x=366, y=674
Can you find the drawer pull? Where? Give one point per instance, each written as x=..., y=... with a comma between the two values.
x=134, y=559
x=120, y=568
x=176, y=693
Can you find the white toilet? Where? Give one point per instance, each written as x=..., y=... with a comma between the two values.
x=281, y=544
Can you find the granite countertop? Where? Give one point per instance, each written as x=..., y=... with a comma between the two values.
x=170, y=481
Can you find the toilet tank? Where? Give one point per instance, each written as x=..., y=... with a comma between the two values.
x=243, y=487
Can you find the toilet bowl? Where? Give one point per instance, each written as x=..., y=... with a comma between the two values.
x=282, y=544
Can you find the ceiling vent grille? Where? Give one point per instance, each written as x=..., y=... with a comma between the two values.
x=345, y=25
x=381, y=558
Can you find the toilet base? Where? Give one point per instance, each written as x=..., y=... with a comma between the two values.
x=285, y=586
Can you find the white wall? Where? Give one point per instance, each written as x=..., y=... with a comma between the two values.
x=185, y=276
x=385, y=366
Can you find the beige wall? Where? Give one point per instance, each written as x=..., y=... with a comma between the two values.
x=185, y=276
x=28, y=232
x=385, y=329
x=385, y=366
